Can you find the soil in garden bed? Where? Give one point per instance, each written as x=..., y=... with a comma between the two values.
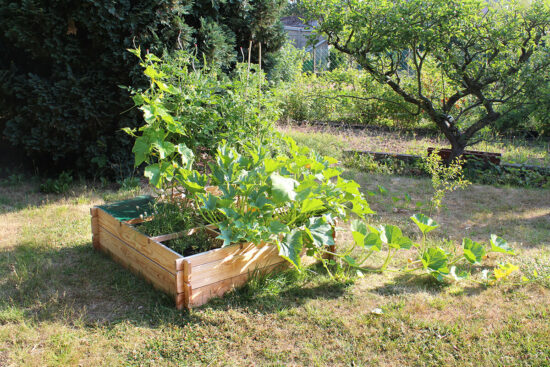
x=200, y=241
x=175, y=217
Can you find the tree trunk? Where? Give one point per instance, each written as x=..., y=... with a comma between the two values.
x=457, y=148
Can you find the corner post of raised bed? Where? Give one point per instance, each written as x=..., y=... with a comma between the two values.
x=183, y=287
x=95, y=227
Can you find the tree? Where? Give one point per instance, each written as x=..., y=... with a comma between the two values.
x=462, y=63
x=62, y=62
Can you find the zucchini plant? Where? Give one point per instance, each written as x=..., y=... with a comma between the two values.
x=441, y=264
x=291, y=199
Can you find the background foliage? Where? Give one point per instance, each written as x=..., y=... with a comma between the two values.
x=62, y=62
x=477, y=59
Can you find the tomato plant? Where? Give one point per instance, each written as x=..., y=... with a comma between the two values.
x=190, y=106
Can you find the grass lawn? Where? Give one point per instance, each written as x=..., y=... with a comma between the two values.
x=61, y=303
x=331, y=139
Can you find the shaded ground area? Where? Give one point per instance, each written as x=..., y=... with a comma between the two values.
x=61, y=303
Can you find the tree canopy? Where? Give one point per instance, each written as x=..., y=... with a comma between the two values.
x=62, y=62
x=465, y=64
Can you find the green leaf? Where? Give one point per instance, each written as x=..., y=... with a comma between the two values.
x=372, y=242
x=498, y=244
x=277, y=227
x=165, y=148
x=135, y=51
x=320, y=232
x=360, y=207
x=424, y=223
x=359, y=226
x=382, y=190
x=291, y=247
x=358, y=238
x=393, y=236
x=152, y=73
x=435, y=260
x=330, y=160
x=141, y=151
x=129, y=131
x=209, y=202
x=473, y=251
x=271, y=165
x=457, y=274
x=152, y=172
x=227, y=236
x=282, y=188
x=311, y=205
x=331, y=172
x=348, y=186
x=186, y=155
x=350, y=260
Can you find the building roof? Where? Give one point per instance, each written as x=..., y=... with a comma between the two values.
x=295, y=21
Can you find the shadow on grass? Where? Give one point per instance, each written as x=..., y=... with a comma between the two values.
x=282, y=290
x=79, y=285
x=21, y=195
x=406, y=284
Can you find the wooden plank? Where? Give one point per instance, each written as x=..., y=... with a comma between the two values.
x=239, y=262
x=182, y=298
x=155, y=251
x=180, y=301
x=199, y=296
x=95, y=228
x=217, y=254
x=210, y=229
x=127, y=256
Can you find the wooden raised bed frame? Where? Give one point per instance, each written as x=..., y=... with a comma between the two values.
x=191, y=280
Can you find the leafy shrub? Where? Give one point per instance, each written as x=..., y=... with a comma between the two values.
x=199, y=241
x=479, y=171
x=168, y=217
x=446, y=178
x=129, y=183
x=57, y=186
x=342, y=94
x=286, y=64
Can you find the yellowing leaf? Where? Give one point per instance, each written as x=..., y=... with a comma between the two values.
x=503, y=271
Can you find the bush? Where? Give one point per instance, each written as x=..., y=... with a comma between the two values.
x=62, y=63
x=286, y=65
x=189, y=109
x=342, y=94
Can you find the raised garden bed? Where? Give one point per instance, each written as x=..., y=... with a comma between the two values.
x=191, y=280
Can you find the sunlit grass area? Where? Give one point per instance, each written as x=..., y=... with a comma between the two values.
x=62, y=303
x=333, y=140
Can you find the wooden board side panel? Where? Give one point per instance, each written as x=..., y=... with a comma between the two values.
x=241, y=261
x=95, y=227
x=137, y=262
x=151, y=249
x=199, y=296
x=217, y=254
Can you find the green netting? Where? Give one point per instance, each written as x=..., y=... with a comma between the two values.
x=130, y=209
